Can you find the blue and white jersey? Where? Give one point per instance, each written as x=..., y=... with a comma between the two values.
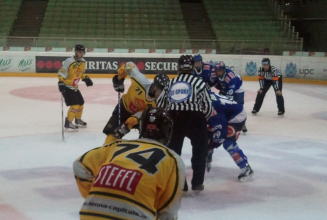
x=223, y=105
x=207, y=73
x=231, y=83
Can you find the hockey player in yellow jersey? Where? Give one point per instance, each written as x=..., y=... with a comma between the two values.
x=141, y=94
x=71, y=72
x=133, y=179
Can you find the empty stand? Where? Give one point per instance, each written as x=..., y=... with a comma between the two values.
x=28, y=23
x=229, y=26
x=8, y=12
x=125, y=24
x=245, y=26
x=198, y=24
x=29, y=19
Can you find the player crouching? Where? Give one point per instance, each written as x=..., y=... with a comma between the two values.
x=226, y=124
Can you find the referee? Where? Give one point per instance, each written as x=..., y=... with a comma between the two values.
x=190, y=105
x=269, y=76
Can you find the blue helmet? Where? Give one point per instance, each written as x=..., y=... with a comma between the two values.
x=198, y=58
x=220, y=66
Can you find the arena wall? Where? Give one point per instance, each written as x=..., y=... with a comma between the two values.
x=298, y=69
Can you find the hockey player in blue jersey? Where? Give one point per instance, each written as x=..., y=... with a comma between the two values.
x=235, y=117
x=204, y=70
x=230, y=84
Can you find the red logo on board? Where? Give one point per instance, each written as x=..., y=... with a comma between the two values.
x=312, y=53
x=140, y=65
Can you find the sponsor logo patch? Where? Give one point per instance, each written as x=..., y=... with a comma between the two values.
x=180, y=91
x=115, y=177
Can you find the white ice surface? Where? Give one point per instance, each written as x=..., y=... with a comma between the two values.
x=288, y=155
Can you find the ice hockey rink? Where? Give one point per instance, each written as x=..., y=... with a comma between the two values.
x=288, y=155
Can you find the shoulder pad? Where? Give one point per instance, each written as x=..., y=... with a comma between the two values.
x=227, y=79
x=206, y=66
x=230, y=74
x=69, y=61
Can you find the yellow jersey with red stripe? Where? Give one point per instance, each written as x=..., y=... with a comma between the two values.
x=135, y=179
x=137, y=97
x=71, y=72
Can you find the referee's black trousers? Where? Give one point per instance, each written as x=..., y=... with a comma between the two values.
x=191, y=124
x=261, y=96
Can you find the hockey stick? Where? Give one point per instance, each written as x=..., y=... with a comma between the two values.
x=62, y=118
x=118, y=109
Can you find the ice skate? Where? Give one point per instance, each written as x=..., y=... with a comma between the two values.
x=80, y=123
x=246, y=173
x=254, y=112
x=197, y=189
x=69, y=126
x=244, y=129
x=280, y=113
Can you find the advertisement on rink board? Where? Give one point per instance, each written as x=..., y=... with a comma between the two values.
x=244, y=65
x=17, y=64
x=105, y=65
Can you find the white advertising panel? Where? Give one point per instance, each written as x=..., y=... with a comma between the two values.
x=18, y=64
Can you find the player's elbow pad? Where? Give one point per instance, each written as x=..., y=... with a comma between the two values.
x=122, y=72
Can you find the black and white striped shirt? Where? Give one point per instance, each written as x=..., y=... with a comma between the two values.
x=187, y=93
x=163, y=101
x=272, y=74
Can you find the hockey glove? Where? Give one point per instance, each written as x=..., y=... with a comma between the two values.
x=118, y=84
x=121, y=132
x=61, y=86
x=218, y=86
x=88, y=81
x=221, y=92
